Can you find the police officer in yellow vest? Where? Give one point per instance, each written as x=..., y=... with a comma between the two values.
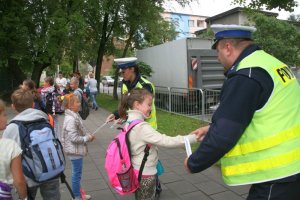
x=256, y=129
x=133, y=79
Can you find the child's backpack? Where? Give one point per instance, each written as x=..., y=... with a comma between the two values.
x=122, y=177
x=42, y=155
x=54, y=103
x=85, y=110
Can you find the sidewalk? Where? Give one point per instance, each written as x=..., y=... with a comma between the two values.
x=176, y=182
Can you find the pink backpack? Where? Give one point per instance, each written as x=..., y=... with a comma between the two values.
x=121, y=175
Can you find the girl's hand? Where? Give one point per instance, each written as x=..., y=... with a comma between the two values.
x=92, y=137
x=200, y=133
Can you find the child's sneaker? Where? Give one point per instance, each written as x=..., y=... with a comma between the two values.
x=87, y=197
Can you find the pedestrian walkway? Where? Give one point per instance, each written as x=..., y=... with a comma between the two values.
x=176, y=182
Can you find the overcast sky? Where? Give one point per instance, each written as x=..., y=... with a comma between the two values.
x=213, y=7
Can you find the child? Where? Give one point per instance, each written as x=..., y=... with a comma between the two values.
x=67, y=90
x=48, y=88
x=139, y=103
x=30, y=85
x=22, y=102
x=10, y=165
x=74, y=140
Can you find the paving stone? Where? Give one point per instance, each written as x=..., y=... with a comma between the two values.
x=210, y=187
x=228, y=195
x=169, y=177
x=181, y=187
x=195, y=195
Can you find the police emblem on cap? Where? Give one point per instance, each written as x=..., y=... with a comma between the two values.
x=231, y=31
x=124, y=63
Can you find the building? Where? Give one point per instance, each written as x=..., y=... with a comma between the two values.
x=185, y=24
x=237, y=16
x=234, y=16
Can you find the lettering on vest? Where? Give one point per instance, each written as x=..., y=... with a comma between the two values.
x=285, y=74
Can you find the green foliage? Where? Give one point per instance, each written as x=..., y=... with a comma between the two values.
x=209, y=34
x=278, y=38
x=287, y=5
x=145, y=69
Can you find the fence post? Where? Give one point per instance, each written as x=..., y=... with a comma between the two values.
x=202, y=104
x=170, y=103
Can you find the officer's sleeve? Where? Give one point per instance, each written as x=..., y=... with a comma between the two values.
x=240, y=99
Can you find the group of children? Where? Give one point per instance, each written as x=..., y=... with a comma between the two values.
x=135, y=105
x=28, y=103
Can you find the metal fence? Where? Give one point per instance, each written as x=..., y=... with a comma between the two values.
x=196, y=103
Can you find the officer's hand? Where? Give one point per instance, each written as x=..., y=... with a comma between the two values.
x=186, y=165
x=110, y=118
x=201, y=133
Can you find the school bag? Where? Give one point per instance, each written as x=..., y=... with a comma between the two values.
x=42, y=154
x=85, y=111
x=54, y=103
x=121, y=175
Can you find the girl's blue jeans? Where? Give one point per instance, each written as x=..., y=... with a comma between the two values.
x=93, y=98
x=76, y=176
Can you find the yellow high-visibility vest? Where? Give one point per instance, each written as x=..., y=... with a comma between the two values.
x=152, y=119
x=269, y=149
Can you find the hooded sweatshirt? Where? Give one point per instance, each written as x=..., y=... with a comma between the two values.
x=12, y=130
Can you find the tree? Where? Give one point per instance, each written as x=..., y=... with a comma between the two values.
x=287, y=5
x=277, y=37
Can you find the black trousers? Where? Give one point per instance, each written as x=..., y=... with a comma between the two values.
x=275, y=191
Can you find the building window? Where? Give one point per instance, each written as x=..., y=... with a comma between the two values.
x=200, y=23
x=191, y=23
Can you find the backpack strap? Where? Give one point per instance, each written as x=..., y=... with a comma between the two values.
x=146, y=150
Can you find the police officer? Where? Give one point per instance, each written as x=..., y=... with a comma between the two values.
x=133, y=79
x=256, y=129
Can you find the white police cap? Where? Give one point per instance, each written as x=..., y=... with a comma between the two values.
x=231, y=31
x=124, y=63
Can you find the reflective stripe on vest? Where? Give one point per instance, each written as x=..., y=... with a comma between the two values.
x=152, y=119
x=269, y=148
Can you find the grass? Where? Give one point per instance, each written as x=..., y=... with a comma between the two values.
x=168, y=123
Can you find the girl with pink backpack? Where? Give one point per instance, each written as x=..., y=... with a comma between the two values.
x=137, y=104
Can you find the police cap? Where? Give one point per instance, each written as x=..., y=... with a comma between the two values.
x=124, y=63
x=231, y=31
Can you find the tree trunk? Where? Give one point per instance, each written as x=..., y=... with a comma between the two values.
x=16, y=72
x=101, y=49
x=37, y=71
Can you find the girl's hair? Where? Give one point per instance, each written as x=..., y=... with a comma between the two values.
x=29, y=83
x=137, y=94
x=69, y=100
x=74, y=80
x=49, y=80
x=2, y=106
x=31, y=86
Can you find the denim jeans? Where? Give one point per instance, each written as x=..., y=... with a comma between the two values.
x=93, y=98
x=76, y=176
x=49, y=190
